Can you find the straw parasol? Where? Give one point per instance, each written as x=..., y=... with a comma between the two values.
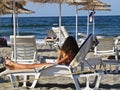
x=19, y=7
x=95, y=5
x=56, y=1
x=4, y=9
x=90, y=2
x=89, y=5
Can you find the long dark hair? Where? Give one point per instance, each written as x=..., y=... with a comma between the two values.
x=70, y=45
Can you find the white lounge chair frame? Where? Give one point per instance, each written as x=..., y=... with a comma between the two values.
x=66, y=71
x=106, y=46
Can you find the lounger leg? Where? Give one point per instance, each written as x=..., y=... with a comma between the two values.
x=37, y=75
x=76, y=82
x=96, y=81
x=111, y=70
x=116, y=69
x=25, y=80
x=117, y=54
x=13, y=80
x=99, y=76
x=87, y=83
x=116, y=57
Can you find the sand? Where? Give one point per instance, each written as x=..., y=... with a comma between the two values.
x=108, y=82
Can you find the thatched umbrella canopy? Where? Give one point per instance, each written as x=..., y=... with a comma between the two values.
x=4, y=9
x=23, y=2
x=99, y=3
x=93, y=4
x=90, y=2
x=88, y=7
x=55, y=1
x=87, y=3
x=8, y=6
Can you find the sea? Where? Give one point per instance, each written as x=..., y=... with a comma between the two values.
x=38, y=26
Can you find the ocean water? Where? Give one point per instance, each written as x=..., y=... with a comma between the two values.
x=38, y=26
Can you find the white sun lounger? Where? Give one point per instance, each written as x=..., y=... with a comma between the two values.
x=66, y=71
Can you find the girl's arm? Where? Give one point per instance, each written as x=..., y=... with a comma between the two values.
x=62, y=57
x=62, y=60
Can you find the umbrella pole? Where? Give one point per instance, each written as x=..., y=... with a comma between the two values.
x=88, y=23
x=14, y=29
x=93, y=25
x=17, y=24
x=59, y=23
x=76, y=22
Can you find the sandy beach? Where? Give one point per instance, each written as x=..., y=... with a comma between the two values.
x=108, y=82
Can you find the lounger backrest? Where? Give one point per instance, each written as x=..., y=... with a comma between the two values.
x=64, y=31
x=84, y=49
x=25, y=48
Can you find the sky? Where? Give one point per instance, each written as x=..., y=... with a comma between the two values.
x=44, y=10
